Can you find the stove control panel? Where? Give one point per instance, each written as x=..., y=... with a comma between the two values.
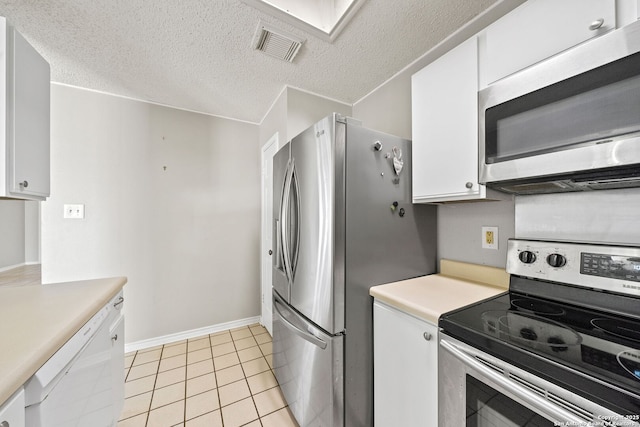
x=611, y=268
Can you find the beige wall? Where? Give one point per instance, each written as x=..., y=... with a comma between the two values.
x=32, y=232
x=12, y=233
x=388, y=109
x=295, y=110
x=459, y=225
x=172, y=202
x=305, y=109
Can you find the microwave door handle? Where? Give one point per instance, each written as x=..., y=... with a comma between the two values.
x=538, y=403
x=293, y=328
x=296, y=250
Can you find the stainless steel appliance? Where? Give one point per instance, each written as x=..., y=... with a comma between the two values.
x=82, y=384
x=561, y=347
x=344, y=223
x=570, y=123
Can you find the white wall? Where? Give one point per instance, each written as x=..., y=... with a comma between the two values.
x=172, y=201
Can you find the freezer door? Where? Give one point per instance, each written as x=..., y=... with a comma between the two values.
x=315, y=291
x=308, y=366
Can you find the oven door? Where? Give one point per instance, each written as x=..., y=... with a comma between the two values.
x=495, y=393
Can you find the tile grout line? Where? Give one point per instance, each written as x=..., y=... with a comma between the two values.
x=253, y=400
x=209, y=346
x=215, y=373
x=153, y=390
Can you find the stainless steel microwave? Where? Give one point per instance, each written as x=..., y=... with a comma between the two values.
x=569, y=123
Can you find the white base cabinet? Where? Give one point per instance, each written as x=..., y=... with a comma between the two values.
x=24, y=118
x=405, y=377
x=12, y=411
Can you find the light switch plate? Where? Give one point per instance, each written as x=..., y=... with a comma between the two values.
x=490, y=238
x=74, y=211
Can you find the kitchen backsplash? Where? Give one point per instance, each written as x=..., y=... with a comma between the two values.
x=610, y=216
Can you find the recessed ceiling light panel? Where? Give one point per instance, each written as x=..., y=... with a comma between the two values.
x=324, y=19
x=276, y=42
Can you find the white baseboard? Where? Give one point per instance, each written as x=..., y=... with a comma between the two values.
x=193, y=333
x=11, y=267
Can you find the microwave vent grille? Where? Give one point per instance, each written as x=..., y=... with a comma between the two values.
x=598, y=179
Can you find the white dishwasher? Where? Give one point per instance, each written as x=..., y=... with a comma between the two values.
x=82, y=384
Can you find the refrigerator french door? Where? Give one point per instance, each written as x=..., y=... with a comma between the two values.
x=343, y=222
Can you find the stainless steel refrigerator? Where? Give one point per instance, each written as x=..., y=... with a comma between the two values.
x=343, y=222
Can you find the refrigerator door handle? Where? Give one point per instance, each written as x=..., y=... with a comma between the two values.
x=285, y=221
x=296, y=188
x=279, y=260
x=303, y=334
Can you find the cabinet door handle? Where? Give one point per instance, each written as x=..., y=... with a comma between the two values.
x=113, y=338
x=426, y=336
x=469, y=185
x=23, y=184
x=4, y=424
x=596, y=24
x=115, y=305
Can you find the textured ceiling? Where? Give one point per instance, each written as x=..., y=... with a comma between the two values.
x=198, y=54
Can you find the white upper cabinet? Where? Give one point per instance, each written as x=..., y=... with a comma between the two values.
x=444, y=101
x=539, y=29
x=24, y=124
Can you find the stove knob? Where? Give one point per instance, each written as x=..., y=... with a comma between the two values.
x=527, y=257
x=556, y=260
x=528, y=334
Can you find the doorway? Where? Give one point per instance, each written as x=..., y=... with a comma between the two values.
x=268, y=151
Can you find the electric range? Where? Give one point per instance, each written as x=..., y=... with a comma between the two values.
x=571, y=319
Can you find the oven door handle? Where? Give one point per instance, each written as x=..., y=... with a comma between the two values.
x=538, y=403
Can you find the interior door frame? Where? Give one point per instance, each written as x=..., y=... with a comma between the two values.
x=266, y=160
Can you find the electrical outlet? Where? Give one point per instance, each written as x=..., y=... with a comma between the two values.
x=74, y=211
x=490, y=238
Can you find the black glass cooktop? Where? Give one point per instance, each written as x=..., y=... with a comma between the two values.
x=562, y=343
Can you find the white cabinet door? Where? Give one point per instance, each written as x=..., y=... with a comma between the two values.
x=30, y=143
x=539, y=29
x=117, y=362
x=405, y=374
x=25, y=133
x=444, y=98
x=12, y=411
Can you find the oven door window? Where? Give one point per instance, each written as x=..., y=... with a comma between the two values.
x=487, y=407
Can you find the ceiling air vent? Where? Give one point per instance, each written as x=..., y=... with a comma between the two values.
x=276, y=42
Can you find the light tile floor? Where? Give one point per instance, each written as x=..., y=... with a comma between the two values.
x=223, y=379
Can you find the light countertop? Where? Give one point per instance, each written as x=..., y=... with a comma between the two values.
x=38, y=319
x=457, y=285
x=21, y=276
